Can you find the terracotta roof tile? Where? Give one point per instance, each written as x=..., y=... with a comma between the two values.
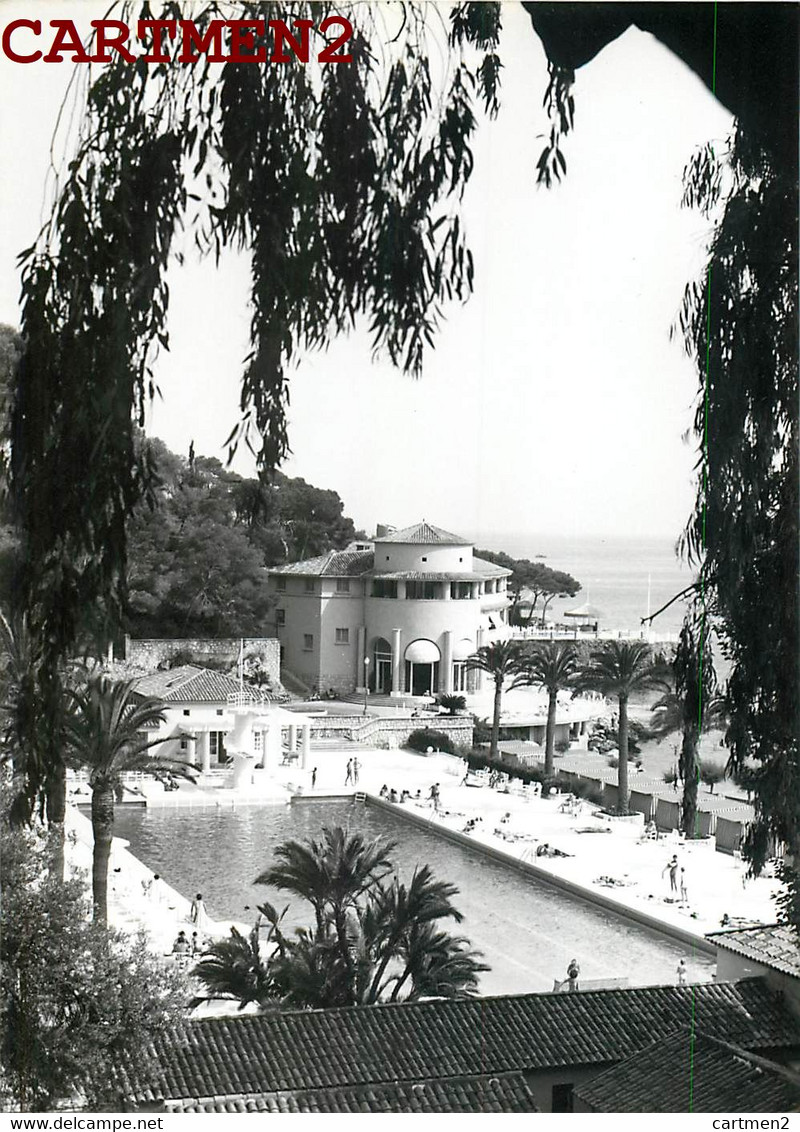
x=773, y=945
x=334, y=564
x=231, y=1056
x=188, y=684
x=693, y=1073
x=425, y=534
x=505, y=1093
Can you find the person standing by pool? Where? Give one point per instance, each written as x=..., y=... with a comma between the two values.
x=434, y=796
x=356, y=769
x=573, y=971
x=682, y=973
x=684, y=890
x=314, y=778
x=198, y=915
x=672, y=866
x=348, y=778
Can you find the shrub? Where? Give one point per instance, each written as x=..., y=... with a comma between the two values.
x=562, y=746
x=562, y=784
x=481, y=730
x=670, y=777
x=711, y=773
x=74, y=998
x=605, y=738
x=425, y=737
x=453, y=703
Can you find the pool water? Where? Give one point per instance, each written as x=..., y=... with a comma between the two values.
x=527, y=930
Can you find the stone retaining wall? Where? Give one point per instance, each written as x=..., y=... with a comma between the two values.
x=152, y=652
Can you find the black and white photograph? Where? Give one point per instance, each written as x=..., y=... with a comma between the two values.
x=399, y=560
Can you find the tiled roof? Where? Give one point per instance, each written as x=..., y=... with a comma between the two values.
x=334, y=564
x=504, y=1093
x=488, y=569
x=188, y=685
x=774, y=945
x=298, y=1050
x=425, y=534
x=698, y=1073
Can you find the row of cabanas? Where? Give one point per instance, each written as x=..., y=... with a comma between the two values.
x=724, y=819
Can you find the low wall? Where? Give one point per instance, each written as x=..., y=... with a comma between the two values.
x=151, y=652
x=693, y=939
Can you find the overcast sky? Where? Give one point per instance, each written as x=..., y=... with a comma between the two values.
x=554, y=400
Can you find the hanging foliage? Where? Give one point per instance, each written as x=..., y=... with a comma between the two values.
x=341, y=182
x=740, y=324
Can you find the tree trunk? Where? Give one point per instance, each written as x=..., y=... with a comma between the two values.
x=102, y=832
x=55, y=810
x=544, y=608
x=532, y=609
x=340, y=922
x=623, y=793
x=498, y=696
x=688, y=771
x=550, y=734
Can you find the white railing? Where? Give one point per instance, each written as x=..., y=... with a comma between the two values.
x=652, y=636
x=249, y=697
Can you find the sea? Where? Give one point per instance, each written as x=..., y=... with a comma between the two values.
x=624, y=578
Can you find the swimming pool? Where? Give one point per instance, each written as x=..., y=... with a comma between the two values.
x=527, y=930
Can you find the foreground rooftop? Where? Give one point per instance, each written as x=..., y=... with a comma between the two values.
x=418, y=1042
x=772, y=945
x=693, y=1072
x=507, y=1092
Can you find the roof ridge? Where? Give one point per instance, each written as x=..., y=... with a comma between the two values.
x=688, y=991
x=749, y=927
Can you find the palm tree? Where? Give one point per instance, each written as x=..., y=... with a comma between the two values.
x=552, y=665
x=617, y=669
x=234, y=967
x=331, y=874
x=393, y=945
x=503, y=661
x=401, y=911
x=104, y=728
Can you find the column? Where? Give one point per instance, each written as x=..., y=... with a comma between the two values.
x=446, y=595
x=205, y=752
x=191, y=750
x=478, y=674
x=305, y=749
x=446, y=676
x=361, y=652
x=396, y=670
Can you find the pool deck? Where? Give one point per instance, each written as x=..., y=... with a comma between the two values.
x=716, y=882
x=607, y=863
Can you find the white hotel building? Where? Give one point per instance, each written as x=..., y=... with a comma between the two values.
x=406, y=611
